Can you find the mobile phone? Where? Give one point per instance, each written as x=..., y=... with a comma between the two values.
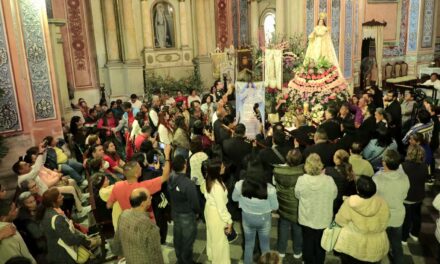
x=155, y=158
x=161, y=145
x=45, y=143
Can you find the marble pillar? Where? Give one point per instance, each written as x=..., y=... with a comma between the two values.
x=56, y=38
x=183, y=24
x=201, y=28
x=129, y=33
x=280, y=28
x=146, y=25
x=111, y=33
x=254, y=22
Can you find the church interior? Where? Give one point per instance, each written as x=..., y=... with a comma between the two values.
x=58, y=55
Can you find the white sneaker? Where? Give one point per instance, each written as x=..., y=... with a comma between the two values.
x=416, y=239
x=297, y=256
x=84, y=211
x=404, y=243
x=85, y=197
x=281, y=255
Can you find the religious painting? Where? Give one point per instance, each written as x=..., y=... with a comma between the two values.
x=244, y=65
x=163, y=25
x=273, y=68
x=217, y=60
x=250, y=106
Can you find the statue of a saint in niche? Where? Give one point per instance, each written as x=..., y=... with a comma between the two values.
x=163, y=18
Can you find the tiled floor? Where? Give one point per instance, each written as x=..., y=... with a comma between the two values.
x=422, y=252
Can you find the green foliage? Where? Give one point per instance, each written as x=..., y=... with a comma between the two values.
x=168, y=83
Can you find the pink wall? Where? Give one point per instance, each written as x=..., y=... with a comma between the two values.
x=384, y=12
x=33, y=131
x=78, y=43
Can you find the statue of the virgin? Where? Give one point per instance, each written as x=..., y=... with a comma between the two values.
x=320, y=43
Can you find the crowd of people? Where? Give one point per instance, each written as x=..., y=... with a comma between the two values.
x=137, y=166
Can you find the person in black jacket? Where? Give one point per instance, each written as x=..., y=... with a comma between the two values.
x=392, y=107
x=186, y=207
x=331, y=125
x=236, y=147
x=367, y=129
x=322, y=147
x=417, y=171
x=274, y=155
x=303, y=132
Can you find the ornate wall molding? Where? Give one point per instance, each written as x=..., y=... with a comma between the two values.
x=348, y=39
x=76, y=34
x=223, y=34
x=336, y=15
x=310, y=16
x=413, y=24
x=9, y=112
x=400, y=50
x=78, y=49
x=428, y=24
x=36, y=56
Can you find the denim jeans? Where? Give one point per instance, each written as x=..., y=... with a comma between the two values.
x=184, y=232
x=253, y=223
x=313, y=253
x=284, y=226
x=395, y=238
x=413, y=220
x=73, y=169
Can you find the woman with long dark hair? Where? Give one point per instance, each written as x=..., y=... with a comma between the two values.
x=165, y=131
x=29, y=227
x=218, y=219
x=113, y=159
x=57, y=227
x=257, y=199
x=181, y=137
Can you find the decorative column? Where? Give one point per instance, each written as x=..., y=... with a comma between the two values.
x=111, y=34
x=254, y=22
x=146, y=25
x=56, y=38
x=183, y=24
x=129, y=32
x=279, y=19
x=201, y=28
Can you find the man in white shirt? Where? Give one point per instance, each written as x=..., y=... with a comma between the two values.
x=434, y=81
x=135, y=102
x=153, y=114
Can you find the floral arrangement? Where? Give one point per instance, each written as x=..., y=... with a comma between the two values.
x=293, y=56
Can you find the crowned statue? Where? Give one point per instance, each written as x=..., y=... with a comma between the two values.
x=320, y=44
x=319, y=80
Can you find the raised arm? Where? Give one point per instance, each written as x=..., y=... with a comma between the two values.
x=166, y=169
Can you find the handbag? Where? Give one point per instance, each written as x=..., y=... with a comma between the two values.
x=330, y=236
x=78, y=253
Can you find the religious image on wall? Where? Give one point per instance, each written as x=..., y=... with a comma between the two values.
x=250, y=106
x=217, y=60
x=163, y=23
x=319, y=80
x=273, y=68
x=227, y=69
x=244, y=64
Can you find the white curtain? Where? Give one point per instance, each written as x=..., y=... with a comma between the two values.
x=376, y=32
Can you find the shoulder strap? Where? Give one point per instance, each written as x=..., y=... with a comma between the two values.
x=283, y=160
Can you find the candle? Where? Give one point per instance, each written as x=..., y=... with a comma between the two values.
x=306, y=107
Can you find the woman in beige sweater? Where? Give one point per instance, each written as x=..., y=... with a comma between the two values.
x=364, y=219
